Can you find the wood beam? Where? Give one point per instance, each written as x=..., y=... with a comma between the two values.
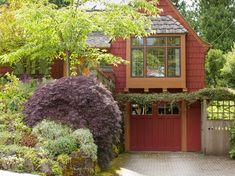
x=127, y=127
x=184, y=127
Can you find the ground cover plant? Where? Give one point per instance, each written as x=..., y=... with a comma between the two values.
x=79, y=102
x=232, y=140
x=49, y=148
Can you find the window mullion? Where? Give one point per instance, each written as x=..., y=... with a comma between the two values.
x=166, y=62
x=145, y=57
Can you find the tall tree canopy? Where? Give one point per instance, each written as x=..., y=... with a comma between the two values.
x=51, y=32
x=189, y=11
x=217, y=23
x=214, y=64
x=229, y=68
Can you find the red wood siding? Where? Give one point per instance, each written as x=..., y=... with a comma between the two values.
x=195, y=51
x=118, y=48
x=57, y=69
x=194, y=127
x=195, y=54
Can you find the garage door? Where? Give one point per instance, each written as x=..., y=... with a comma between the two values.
x=155, y=128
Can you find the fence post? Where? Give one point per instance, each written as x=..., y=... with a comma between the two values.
x=203, y=122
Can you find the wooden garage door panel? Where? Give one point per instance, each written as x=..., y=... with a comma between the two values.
x=155, y=133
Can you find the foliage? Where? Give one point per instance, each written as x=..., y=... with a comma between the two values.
x=15, y=93
x=51, y=32
x=79, y=102
x=63, y=159
x=50, y=130
x=229, y=68
x=214, y=64
x=60, y=145
x=149, y=99
x=115, y=165
x=189, y=11
x=13, y=37
x=60, y=3
x=232, y=140
x=86, y=143
x=220, y=33
x=55, y=137
x=12, y=162
x=28, y=140
x=59, y=139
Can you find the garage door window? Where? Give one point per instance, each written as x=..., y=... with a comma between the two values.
x=141, y=110
x=168, y=109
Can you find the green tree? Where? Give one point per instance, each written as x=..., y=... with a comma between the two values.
x=217, y=24
x=51, y=32
x=229, y=68
x=214, y=64
x=60, y=3
x=14, y=37
x=189, y=11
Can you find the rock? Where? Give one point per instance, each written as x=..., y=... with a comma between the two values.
x=79, y=165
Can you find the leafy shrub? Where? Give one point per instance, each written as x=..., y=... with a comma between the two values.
x=49, y=130
x=63, y=159
x=15, y=93
x=86, y=143
x=232, y=141
x=59, y=139
x=55, y=137
x=64, y=145
x=29, y=140
x=80, y=102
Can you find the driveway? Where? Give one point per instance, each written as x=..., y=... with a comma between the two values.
x=177, y=164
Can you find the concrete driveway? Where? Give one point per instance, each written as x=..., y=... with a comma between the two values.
x=177, y=164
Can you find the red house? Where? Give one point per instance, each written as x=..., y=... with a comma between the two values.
x=170, y=60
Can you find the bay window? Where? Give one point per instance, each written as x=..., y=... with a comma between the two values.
x=156, y=57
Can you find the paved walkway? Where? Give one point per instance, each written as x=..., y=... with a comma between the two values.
x=8, y=173
x=177, y=164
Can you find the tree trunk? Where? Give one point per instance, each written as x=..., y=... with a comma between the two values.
x=67, y=63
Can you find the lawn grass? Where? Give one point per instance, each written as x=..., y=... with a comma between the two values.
x=115, y=165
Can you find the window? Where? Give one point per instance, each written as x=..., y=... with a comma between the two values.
x=157, y=57
x=141, y=110
x=137, y=62
x=221, y=110
x=168, y=109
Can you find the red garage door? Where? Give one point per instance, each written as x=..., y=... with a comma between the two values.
x=156, y=128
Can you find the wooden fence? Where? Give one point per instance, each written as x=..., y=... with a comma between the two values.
x=215, y=134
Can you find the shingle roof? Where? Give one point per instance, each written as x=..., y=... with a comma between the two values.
x=166, y=25
x=160, y=25
x=98, y=40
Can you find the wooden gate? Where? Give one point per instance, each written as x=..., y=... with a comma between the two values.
x=215, y=133
x=155, y=132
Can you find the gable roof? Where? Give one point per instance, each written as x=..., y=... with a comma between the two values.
x=190, y=29
x=166, y=25
x=160, y=25
x=98, y=40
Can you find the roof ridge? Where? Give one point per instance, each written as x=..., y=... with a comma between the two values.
x=166, y=24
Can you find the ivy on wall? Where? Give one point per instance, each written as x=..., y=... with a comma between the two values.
x=151, y=98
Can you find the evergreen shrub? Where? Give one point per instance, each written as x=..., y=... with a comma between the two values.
x=80, y=102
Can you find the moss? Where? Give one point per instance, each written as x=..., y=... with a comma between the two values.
x=115, y=165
